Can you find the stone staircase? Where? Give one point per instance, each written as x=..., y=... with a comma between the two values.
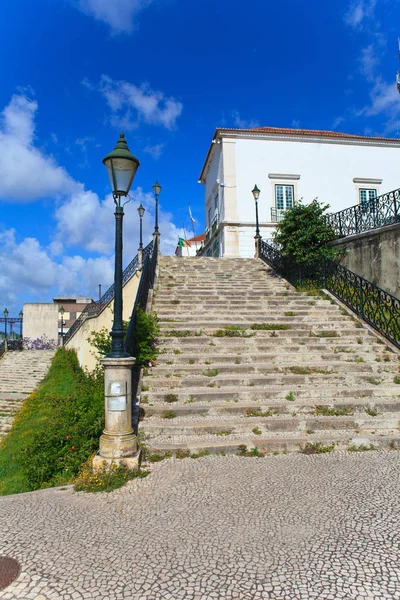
x=315, y=375
x=20, y=375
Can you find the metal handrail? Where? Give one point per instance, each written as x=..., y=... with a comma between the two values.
x=378, y=308
x=377, y=212
x=145, y=285
x=95, y=308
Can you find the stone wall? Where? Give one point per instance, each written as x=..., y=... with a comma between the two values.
x=87, y=355
x=375, y=255
x=40, y=319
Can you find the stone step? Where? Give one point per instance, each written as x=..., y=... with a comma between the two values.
x=272, y=444
x=275, y=393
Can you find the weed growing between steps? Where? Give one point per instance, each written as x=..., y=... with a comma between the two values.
x=56, y=430
x=270, y=327
x=327, y=411
x=316, y=448
x=232, y=331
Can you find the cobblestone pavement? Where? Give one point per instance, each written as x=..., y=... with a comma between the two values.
x=282, y=527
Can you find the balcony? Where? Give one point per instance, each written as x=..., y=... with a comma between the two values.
x=277, y=215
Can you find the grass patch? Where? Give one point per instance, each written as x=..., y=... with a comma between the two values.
x=106, y=479
x=231, y=331
x=374, y=381
x=296, y=370
x=270, y=327
x=56, y=430
x=289, y=313
x=396, y=379
x=210, y=372
x=316, y=448
x=256, y=431
x=170, y=398
x=257, y=412
x=324, y=334
x=290, y=397
x=177, y=351
x=223, y=432
x=179, y=333
x=243, y=451
x=360, y=448
x=328, y=411
x=372, y=412
x=168, y=414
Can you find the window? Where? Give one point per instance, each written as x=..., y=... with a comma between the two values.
x=284, y=196
x=209, y=216
x=367, y=194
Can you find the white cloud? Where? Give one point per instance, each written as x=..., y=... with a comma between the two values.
x=243, y=123
x=26, y=173
x=84, y=224
x=154, y=151
x=131, y=105
x=358, y=12
x=120, y=15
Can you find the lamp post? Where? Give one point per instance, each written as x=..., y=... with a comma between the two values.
x=256, y=194
x=118, y=444
x=141, y=211
x=5, y=313
x=62, y=311
x=156, y=189
x=21, y=316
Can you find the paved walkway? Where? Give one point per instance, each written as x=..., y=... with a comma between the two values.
x=283, y=527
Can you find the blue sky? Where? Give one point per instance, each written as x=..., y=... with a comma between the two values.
x=169, y=72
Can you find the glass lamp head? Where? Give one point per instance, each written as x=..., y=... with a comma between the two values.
x=121, y=167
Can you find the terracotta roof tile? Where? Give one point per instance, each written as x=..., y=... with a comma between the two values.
x=308, y=133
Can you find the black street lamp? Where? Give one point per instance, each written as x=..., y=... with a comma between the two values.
x=121, y=167
x=256, y=194
x=156, y=189
x=5, y=313
x=141, y=211
x=62, y=311
x=21, y=316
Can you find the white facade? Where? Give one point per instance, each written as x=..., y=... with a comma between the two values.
x=287, y=165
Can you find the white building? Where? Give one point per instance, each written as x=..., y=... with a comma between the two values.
x=287, y=164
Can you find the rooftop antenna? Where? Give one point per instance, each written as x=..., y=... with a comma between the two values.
x=398, y=72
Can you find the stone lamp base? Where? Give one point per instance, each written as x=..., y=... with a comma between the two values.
x=118, y=444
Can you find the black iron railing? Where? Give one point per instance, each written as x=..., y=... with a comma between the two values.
x=95, y=308
x=377, y=212
x=146, y=283
x=377, y=307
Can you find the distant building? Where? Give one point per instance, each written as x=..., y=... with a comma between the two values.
x=72, y=307
x=286, y=164
x=195, y=244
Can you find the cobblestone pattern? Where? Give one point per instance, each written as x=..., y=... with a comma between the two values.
x=284, y=527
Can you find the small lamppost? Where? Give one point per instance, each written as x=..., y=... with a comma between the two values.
x=21, y=316
x=62, y=311
x=5, y=313
x=156, y=189
x=118, y=442
x=141, y=211
x=256, y=194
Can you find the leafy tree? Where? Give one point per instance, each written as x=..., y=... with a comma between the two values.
x=303, y=233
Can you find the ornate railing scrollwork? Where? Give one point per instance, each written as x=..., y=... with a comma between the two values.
x=375, y=213
x=378, y=308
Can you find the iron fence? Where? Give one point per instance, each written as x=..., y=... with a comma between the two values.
x=145, y=285
x=375, y=213
x=378, y=308
x=95, y=308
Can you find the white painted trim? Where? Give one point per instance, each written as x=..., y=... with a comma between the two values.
x=283, y=176
x=367, y=181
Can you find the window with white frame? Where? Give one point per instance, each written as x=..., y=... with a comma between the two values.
x=284, y=196
x=209, y=217
x=367, y=194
